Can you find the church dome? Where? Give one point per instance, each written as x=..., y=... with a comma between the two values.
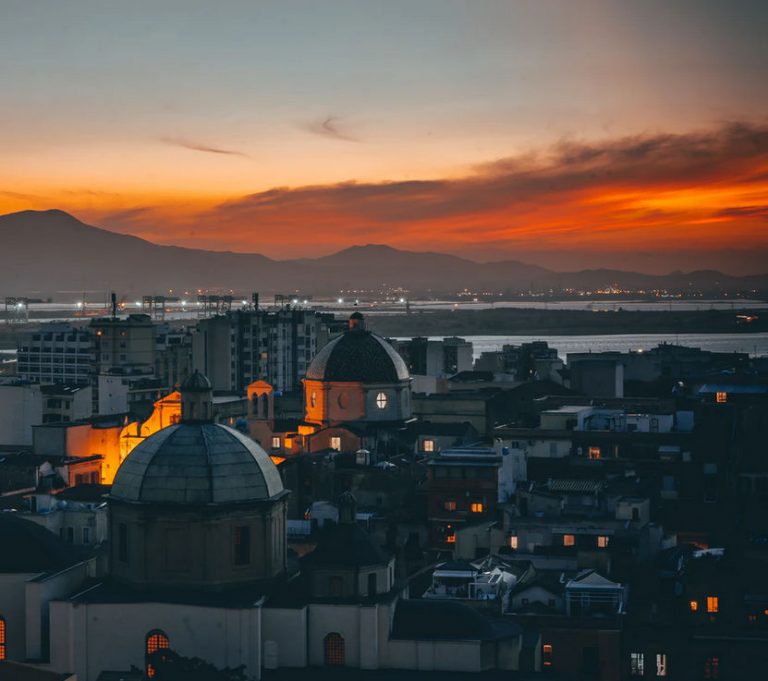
x=197, y=463
x=358, y=356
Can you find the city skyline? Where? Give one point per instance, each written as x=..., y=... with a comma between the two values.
x=614, y=135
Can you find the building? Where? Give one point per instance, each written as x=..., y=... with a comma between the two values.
x=432, y=357
x=55, y=353
x=198, y=564
x=357, y=395
x=25, y=405
x=244, y=346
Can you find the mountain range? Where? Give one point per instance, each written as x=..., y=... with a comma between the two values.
x=52, y=253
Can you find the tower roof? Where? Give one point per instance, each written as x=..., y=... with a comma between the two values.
x=197, y=463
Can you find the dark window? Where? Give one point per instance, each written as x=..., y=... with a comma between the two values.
x=242, y=545
x=122, y=543
x=372, y=584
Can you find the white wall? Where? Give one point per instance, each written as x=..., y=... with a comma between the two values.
x=21, y=407
x=13, y=611
x=88, y=638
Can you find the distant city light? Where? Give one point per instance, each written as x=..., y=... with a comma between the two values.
x=340, y=301
x=305, y=302
x=137, y=304
x=295, y=301
x=79, y=304
x=244, y=302
x=402, y=300
x=183, y=303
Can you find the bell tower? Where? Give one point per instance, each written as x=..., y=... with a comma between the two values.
x=196, y=399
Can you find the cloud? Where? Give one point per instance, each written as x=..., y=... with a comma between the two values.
x=330, y=126
x=197, y=146
x=649, y=191
x=760, y=212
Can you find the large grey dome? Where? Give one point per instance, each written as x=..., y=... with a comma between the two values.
x=358, y=356
x=197, y=463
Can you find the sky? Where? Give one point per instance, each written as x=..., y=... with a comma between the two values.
x=570, y=134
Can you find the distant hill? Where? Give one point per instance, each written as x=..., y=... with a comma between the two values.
x=49, y=252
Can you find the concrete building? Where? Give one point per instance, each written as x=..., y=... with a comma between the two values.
x=25, y=405
x=55, y=353
x=433, y=357
x=243, y=346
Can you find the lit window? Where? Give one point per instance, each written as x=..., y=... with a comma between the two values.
x=594, y=452
x=313, y=399
x=661, y=664
x=513, y=542
x=694, y=606
x=477, y=507
x=381, y=400
x=712, y=668
x=712, y=604
x=429, y=445
x=450, y=534
x=2, y=638
x=721, y=397
x=636, y=664
x=156, y=640
x=275, y=442
x=451, y=539
x=450, y=505
x=569, y=540
x=242, y=545
x=602, y=542
x=546, y=654
x=333, y=649
x=336, y=443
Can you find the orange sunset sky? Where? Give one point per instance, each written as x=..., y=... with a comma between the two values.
x=596, y=133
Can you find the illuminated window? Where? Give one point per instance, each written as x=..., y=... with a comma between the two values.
x=2, y=638
x=694, y=606
x=275, y=442
x=594, y=452
x=712, y=604
x=242, y=545
x=477, y=507
x=513, y=542
x=450, y=505
x=602, y=542
x=721, y=397
x=313, y=399
x=381, y=400
x=661, y=664
x=333, y=649
x=636, y=664
x=569, y=540
x=712, y=668
x=450, y=534
x=156, y=640
x=336, y=443
x=429, y=445
x=546, y=654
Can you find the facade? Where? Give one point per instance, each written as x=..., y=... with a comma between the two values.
x=243, y=346
x=427, y=357
x=55, y=353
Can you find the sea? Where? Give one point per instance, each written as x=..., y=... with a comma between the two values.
x=755, y=344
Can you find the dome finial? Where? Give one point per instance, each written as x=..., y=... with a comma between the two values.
x=356, y=322
x=196, y=398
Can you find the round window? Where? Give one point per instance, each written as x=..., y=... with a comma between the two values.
x=342, y=400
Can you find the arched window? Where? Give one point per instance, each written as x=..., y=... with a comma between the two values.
x=2, y=639
x=313, y=399
x=156, y=640
x=333, y=647
x=381, y=400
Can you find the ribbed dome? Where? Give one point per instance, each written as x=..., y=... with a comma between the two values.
x=197, y=463
x=358, y=355
x=196, y=382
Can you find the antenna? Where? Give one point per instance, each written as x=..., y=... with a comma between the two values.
x=114, y=305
